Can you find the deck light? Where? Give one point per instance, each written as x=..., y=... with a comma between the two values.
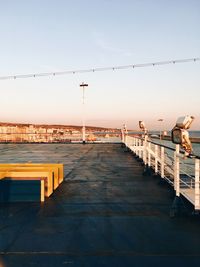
x=83, y=85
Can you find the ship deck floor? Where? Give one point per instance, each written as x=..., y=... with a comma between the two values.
x=105, y=213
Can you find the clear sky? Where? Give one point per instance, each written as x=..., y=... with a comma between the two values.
x=57, y=35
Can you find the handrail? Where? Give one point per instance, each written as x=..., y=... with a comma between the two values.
x=179, y=170
x=170, y=148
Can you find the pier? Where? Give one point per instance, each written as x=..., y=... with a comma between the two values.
x=105, y=213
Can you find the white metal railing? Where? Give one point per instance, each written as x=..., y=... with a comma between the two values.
x=182, y=172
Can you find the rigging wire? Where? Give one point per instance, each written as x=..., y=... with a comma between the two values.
x=152, y=64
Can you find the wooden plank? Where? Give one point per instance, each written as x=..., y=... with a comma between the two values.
x=18, y=191
x=43, y=181
x=42, y=193
x=54, y=170
x=28, y=164
x=34, y=174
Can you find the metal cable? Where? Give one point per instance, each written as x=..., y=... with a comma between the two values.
x=35, y=75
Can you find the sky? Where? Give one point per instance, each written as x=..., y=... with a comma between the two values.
x=58, y=35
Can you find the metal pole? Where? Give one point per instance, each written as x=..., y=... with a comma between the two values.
x=145, y=150
x=197, y=191
x=162, y=162
x=83, y=122
x=149, y=154
x=177, y=171
x=83, y=85
x=161, y=120
x=125, y=139
x=134, y=144
x=125, y=135
x=140, y=151
x=137, y=144
x=122, y=134
x=156, y=159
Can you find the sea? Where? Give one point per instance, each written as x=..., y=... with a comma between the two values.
x=195, y=146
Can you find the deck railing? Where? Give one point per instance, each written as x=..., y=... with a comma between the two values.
x=180, y=171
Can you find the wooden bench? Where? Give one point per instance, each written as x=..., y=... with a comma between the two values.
x=56, y=167
x=17, y=190
x=48, y=175
x=28, y=174
x=53, y=170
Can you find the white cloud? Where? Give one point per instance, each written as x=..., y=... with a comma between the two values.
x=102, y=42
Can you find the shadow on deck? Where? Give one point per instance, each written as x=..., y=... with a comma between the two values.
x=104, y=214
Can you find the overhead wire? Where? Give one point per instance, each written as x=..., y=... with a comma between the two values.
x=141, y=65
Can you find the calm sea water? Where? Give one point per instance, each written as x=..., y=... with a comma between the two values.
x=194, y=133
x=195, y=146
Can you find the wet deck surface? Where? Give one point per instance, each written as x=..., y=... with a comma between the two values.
x=104, y=214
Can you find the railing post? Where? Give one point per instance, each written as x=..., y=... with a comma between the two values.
x=197, y=196
x=177, y=171
x=140, y=151
x=149, y=154
x=156, y=158
x=125, y=139
x=133, y=149
x=162, y=155
x=137, y=144
x=145, y=150
x=122, y=132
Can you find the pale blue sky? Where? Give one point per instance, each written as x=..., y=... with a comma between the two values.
x=57, y=35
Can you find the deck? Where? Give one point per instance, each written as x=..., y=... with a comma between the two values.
x=106, y=213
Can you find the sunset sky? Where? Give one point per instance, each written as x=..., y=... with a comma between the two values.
x=58, y=35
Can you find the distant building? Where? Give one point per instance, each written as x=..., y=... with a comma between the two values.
x=10, y=132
